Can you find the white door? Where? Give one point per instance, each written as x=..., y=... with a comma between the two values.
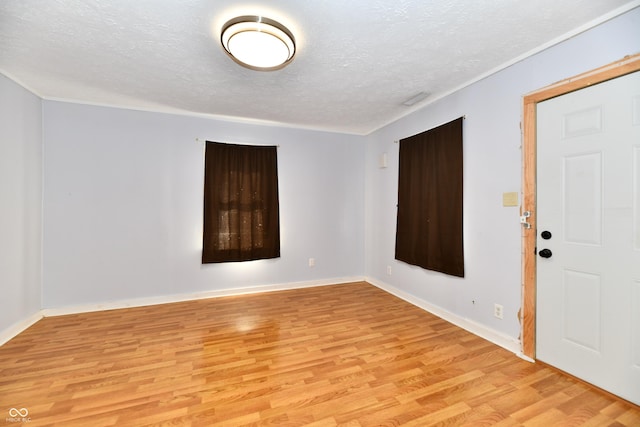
x=588, y=264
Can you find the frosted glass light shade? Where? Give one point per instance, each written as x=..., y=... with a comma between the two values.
x=258, y=43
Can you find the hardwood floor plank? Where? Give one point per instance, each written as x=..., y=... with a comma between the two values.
x=344, y=355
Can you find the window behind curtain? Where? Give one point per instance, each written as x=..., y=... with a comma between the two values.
x=241, y=212
x=429, y=223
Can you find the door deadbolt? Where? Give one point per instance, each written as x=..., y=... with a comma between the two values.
x=545, y=253
x=546, y=235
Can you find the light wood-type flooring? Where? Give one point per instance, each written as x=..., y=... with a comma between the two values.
x=347, y=355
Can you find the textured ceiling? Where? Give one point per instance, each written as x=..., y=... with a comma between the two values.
x=357, y=60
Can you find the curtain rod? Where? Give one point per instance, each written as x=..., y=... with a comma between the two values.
x=397, y=141
x=236, y=143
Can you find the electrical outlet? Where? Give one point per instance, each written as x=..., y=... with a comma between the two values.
x=498, y=311
x=388, y=270
x=312, y=262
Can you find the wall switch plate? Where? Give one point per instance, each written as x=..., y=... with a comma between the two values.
x=312, y=262
x=510, y=199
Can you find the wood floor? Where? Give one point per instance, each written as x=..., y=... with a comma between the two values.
x=347, y=355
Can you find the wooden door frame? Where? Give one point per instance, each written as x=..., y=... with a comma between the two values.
x=628, y=64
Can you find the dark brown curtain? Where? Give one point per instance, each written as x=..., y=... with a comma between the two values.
x=429, y=223
x=241, y=212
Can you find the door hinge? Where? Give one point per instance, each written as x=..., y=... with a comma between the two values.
x=523, y=219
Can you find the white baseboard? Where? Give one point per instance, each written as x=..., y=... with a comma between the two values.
x=498, y=338
x=167, y=299
x=489, y=334
x=16, y=328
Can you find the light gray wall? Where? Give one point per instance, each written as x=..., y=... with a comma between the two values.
x=123, y=196
x=20, y=203
x=492, y=165
x=123, y=205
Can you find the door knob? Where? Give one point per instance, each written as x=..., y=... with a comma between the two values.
x=545, y=253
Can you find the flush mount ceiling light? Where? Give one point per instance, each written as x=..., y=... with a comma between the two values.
x=258, y=43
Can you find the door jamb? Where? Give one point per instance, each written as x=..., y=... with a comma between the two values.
x=627, y=65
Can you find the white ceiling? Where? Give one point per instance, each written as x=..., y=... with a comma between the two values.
x=357, y=60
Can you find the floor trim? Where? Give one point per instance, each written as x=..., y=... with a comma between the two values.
x=498, y=338
x=19, y=327
x=168, y=299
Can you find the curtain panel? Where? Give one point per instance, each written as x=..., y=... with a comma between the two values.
x=429, y=229
x=241, y=207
